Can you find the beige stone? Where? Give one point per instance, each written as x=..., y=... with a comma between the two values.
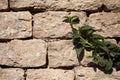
x=51, y=4
x=3, y=4
x=50, y=24
x=113, y=5
x=11, y=74
x=106, y=24
x=84, y=73
x=88, y=73
x=15, y=25
x=28, y=53
x=88, y=5
x=86, y=61
x=62, y=54
x=39, y=4
x=112, y=41
x=50, y=74
x=21, y=4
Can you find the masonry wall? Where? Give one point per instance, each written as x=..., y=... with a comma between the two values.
x=35, y=43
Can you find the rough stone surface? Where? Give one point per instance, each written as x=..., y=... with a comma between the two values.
x=62, y=54
x=3, y=4
x=56, y=4
x=88, y=73
x=39, y=4
x=51, y=4
x=15, y=25
x=106, y=24
x=50, y=24
x=50, y=74
x=11, y=74
x=112, y=5
x=85, y=4
x=29, y=53
x=21, y=4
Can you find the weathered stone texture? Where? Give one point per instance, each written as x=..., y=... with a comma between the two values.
x=3, y=4
x=11, y=74
x=51, y=4
x=50, y=74
x=50, y=24
x=88, y=73
x=15, y=25
x=107, y=24
x=38, y=4
x=62, y=54
x=21, y=4
x=56, y=4
x=85, y=4
x=113, y=5
x=29, y=53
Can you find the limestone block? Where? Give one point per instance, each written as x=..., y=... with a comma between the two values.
x=50, y=74
x=15, y=25
x=3, y=4
x=11, y=74
x=21, y=4
x=89, y=73
x=62, y=54
x=106, y=24
x=28, y=53
x=112, y=5
x=38, y=4
x=50, y=24
x=89, y=5
x=51, y=4
x=84, y=73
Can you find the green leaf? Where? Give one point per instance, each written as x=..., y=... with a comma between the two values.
x=67, y=19
x=117, y=65
x=104, y=48
x=71, y=19
x=109, y=64
x=80, y=53
x=86, y=28
x=74, y=19
x=75, y=33
x=96, y=36
x=90, y=56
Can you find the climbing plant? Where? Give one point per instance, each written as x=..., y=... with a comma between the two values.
x=104, y=53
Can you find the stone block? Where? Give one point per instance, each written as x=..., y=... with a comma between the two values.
x=28, y=53
x=87, y=5
x=89, y=73
x=62, y=54
x=50, y=24
x=106, y=24
x=15, y=25
x=50, y=74
x=21, y=4
x=3, y=4
x=112, y=5
x=11, y=74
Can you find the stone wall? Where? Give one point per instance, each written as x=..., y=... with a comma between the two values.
x=35, y=43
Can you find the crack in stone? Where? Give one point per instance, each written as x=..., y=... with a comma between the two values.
x=25, y=75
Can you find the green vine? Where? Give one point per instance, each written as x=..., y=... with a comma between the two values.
x=104, y=53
